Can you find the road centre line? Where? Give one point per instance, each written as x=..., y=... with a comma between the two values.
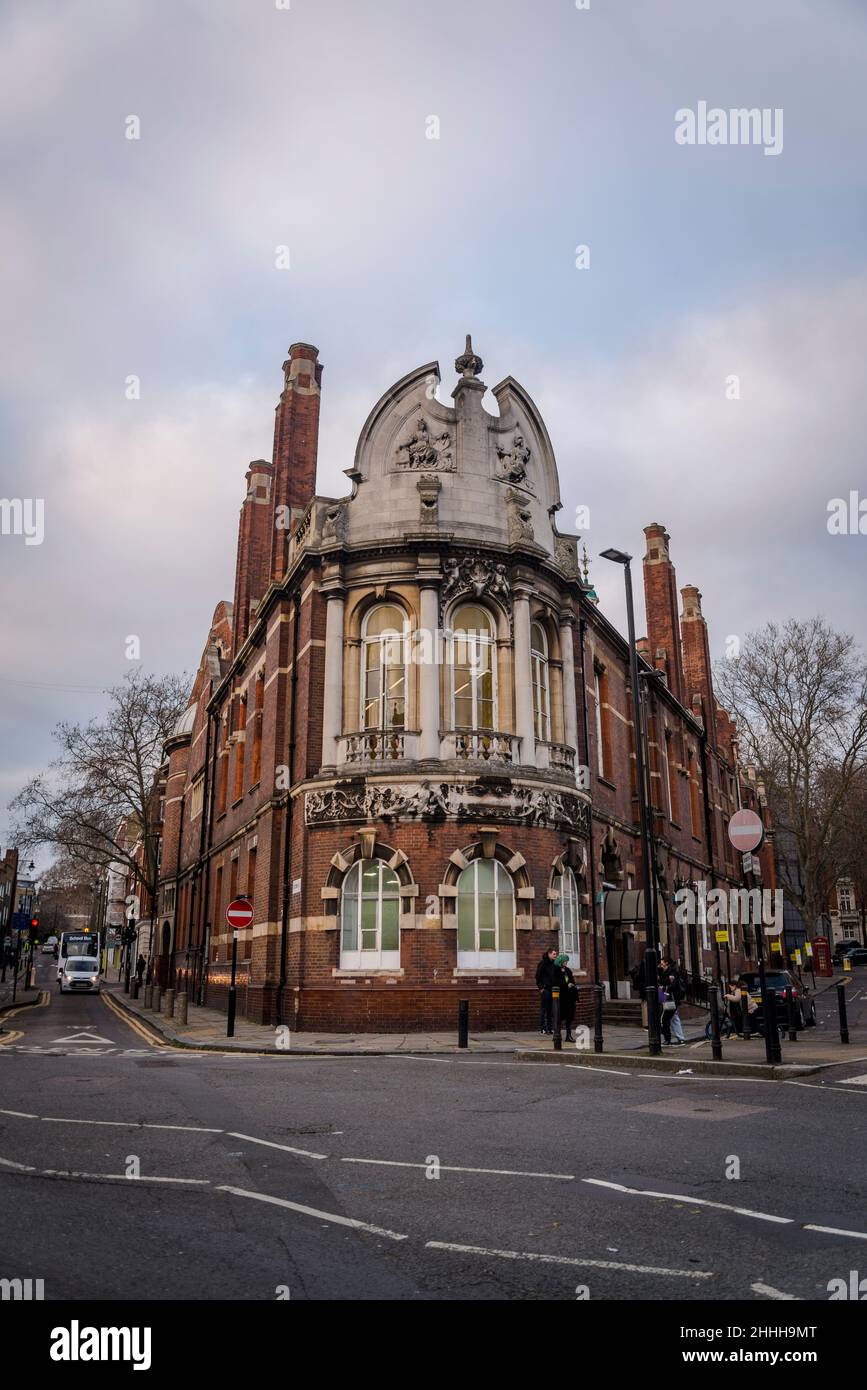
x=449, y=1168
x=123, y=1177
x=63, y=1120
x=691, y=1201
x=20, y=1114
x=22, y=1167
x=837, y=1231
x=568, y=1260
x=770, y=1292
x=269, y=1144
x=312, y=1211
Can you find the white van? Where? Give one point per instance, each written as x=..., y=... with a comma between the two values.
x=80, y=975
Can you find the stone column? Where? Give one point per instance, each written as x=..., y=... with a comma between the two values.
x=332, y=696
x=523, y=677
x=429, y=674
x=570, y=703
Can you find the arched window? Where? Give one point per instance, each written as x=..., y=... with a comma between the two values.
x=472, y=656
x=486, y=917
x=369, y=917
x=541, y=698
x=567, y=917
x=383, y=684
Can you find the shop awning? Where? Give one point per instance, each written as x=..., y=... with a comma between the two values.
x=624, y=907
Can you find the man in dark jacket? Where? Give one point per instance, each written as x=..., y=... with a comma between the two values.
x=547, y=976
x=568, y=994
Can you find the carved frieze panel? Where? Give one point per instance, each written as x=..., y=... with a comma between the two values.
x=476, y=576
x=449, y=801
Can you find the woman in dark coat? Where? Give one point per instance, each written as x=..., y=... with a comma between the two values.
x=568, y=994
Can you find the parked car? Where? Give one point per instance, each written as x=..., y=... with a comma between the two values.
x=781, y=982
x=80, y=975
x=858, y=956
x=844, y=948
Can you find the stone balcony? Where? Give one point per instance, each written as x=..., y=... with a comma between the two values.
x=476, y=745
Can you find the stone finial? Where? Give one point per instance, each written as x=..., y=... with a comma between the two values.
x=469, y=364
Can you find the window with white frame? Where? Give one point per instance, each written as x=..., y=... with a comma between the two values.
x=472, y=658
x=486, y=917
x=370, y=917
x=568, y=917
x=541, y=697
x=384, y=659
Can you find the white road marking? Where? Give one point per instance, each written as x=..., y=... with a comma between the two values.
x=22, y=1167
x=251, y=1139
x=83, y=1037
x=20, y=1114
x=691, y=1201
x=853, y=1081
x=124, y=1177
x=312, y=1211
x=568, y=1260
x=448, y=1168
x=770, y=1292
x=190, y=1129
x=837, y=1231
x=65, y=1120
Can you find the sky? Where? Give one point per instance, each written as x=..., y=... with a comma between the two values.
x=705, y=369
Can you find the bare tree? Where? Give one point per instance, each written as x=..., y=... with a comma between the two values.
x=799, y=694
x=102, y=779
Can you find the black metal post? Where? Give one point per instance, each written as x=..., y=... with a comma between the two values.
x=463, y=1023
x=746, y=1027
x=790, y=1015
x=230, y=1025
x=715, y=1040
x=15, y=961
x=598, y=1045
x=555, y=1020
x=841, y=1009
x=773, y=1054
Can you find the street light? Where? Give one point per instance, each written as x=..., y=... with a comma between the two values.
x=651, y=973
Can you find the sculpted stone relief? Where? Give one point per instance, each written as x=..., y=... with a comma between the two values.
x=448, y=800
x=473, y=575
x=424, y=451
x=514, y=461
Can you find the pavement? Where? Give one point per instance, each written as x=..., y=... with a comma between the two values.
x=133, y=1169
x=814, y=1048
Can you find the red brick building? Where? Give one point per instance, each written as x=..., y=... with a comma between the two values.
x=410, y=738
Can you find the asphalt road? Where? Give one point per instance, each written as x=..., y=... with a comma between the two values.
x=131, y=1170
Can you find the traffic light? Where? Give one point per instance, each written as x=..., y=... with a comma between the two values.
x=34, y=922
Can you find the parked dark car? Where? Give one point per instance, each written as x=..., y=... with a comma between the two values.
x=858, y=956
x=781, y=982
x=844, y=948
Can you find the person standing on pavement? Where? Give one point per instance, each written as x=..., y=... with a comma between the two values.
x=672, y=993
x=140, y=969
x=546, y=978
x=568, y=994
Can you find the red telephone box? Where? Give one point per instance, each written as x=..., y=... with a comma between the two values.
x=822, y=956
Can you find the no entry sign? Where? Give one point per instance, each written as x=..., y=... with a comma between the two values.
x=746, y=831
x=239, y=913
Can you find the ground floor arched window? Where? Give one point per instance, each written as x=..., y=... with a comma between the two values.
x=370, y=917
x=486, y=917
x=567, y=918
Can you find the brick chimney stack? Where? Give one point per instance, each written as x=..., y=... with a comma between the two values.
x=253, y=563
x=696, y=661
x=296, y=443
x=660, y=601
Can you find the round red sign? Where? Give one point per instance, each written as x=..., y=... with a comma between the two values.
x=746, y=831
x=239, y=913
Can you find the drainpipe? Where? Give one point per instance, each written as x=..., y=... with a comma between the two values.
x=287, y=820
x=205, y=850
x=582, y=628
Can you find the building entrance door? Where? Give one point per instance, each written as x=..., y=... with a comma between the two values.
x=611, y=959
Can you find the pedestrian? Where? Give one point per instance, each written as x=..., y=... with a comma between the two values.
x=734, y=999
x=546, y=979
x=670, y=983
x=568, y=994
x=140, y=969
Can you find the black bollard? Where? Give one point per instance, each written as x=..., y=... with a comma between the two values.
x=790, y=1016
x=597, y=1020
x=715, y=1039
x=135, y=988
x=841, y=1009
x=463, y=1023
x=555, y=1020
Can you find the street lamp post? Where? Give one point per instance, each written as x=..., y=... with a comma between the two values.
x=651, y=960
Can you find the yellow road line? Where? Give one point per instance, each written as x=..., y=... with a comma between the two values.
x=152, y=1039
x=10, y=1038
